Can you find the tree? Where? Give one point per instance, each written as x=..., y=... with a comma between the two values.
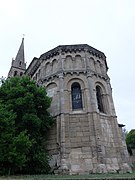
x=130, y=141
x=125, y=132
x=24, y=122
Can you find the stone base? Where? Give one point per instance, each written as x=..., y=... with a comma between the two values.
x=125, y=168
x=100, y=169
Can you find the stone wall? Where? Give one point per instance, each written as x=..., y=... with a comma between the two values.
x=87, y=147
x=80, y=141
x=85, y=140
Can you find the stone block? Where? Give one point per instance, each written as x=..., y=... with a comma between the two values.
x=94, y=151
x=75, y=140
x=54, y=160
x=85, y=139
x=76, y=150
x=111, y=169
x=84, y=172
x=108, y=160
x=84, y=144
x=73, y=134
x=88, y=163
x=114, y=161
x=75, y=124
x=84, y=129
x=94, y=160
x=84, y=124
x=75, y=168
x=75, y=129
x=93, y=140
x=86, y=133
x=86, y=149
x=67, y=150
x=74, y=156
x=101, y=168
x=79, y=134
x=74, y=145
x=67, y=145
x=85, y=156
x=125, y=168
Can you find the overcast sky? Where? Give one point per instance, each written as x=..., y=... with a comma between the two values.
x=107, y=25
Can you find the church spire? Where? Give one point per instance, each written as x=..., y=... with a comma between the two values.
x=18, y=65
x=20, y=54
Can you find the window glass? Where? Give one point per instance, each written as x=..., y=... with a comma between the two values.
x=99, y=98
x=76, y=96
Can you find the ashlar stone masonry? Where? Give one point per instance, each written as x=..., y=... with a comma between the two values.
x=86, y=137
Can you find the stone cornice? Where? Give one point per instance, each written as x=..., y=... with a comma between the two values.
x=62, y=49
x=35, y=63
x=19, y=68
x=72, y=48
x=121, y=125
x=73, y=72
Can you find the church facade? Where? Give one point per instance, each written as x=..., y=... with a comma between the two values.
x=86, y=137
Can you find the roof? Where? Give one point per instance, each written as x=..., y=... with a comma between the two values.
x=20, y=54
x=70, y=48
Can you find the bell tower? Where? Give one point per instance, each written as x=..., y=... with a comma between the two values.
x=18, y=65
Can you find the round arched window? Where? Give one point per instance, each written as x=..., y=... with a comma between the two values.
x=99, y=99
x=76, y=96
x=15, y=73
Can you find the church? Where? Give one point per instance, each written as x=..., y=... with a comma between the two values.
x=86, y=137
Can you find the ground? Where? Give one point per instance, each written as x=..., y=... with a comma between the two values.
x=68, y=177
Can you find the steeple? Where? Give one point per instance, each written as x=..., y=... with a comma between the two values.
x=20, y=54
x=18, y=65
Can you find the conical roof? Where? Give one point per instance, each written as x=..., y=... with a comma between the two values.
x=20, y=54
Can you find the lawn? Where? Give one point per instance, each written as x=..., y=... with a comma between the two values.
x=71, y=177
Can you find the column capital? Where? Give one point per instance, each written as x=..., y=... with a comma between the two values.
x=61, y=75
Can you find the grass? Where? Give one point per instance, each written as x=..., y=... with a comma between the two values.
x=133, y=168
x=129, y=176
x=70, y=177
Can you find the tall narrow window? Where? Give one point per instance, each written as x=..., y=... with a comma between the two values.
x=99, y=98
x=21, y=73
x=20, y=63
x=15, y=73
x=76, y=96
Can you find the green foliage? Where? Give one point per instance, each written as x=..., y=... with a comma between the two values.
x=125, y=132
x=2, y=80
x=133, y=168
x=130, y=140
x=103, y=176
x=24, y=122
